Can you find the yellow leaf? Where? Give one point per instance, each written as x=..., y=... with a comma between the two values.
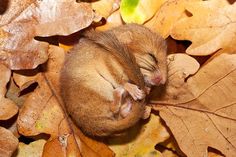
x=140, y=141
x=34, y=149
x=105, y=7
x=139, y=11
x=169, y=13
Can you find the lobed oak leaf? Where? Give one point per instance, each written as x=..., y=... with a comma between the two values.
x=7, y=107
x=181, y=66
x=19, y=49
x=165, y=18
x=210, y=28
x=44, y=112
x=8, y=142
x=139, y=11
x=140, y=140
x=206, y=116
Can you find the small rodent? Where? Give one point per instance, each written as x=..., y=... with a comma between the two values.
x=104, y=78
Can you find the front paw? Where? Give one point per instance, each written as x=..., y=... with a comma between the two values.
x=134, y=91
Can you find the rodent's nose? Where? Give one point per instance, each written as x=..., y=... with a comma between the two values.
x=157, y=80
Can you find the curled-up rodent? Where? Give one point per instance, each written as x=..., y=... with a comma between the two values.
x=104, y=82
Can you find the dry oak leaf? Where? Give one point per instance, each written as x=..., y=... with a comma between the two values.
x=43, y=112
x=33, y=149
x=7, y=107
x=8, y=143
x=90, y=147
x=11, y=9
x=19, y=49
x=203, y=114
x=140, y=140
x=105, y=7
x=165, y=18
x=211, y=27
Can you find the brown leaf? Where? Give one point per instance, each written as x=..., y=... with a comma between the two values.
x=43, y=112
x=169, y=13
x=7, y=107
x=19, y=49
x=8, y=142
x=90, y=147
x=181, y=66
x=202, y=115
x=105, y=7
x=53, y=67
x=210, y=28
x=12, y=9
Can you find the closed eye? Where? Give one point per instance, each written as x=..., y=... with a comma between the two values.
x=146, y=63
x=153, y=57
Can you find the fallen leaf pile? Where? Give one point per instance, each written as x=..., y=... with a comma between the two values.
x=193, y=115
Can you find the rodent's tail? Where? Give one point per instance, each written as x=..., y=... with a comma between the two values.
x=108, y=41
x=111, y=126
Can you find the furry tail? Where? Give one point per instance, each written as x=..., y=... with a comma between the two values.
x=108, y=41
x=110, y=126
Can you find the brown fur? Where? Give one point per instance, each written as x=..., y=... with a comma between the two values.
x=142, y=41
x=100, y=64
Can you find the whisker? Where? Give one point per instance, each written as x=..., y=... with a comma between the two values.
x=146, y=62
x=145, y=68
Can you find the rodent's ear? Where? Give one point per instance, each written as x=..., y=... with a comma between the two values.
x=125, y=37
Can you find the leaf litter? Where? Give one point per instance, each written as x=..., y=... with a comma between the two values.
x=197, y=105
